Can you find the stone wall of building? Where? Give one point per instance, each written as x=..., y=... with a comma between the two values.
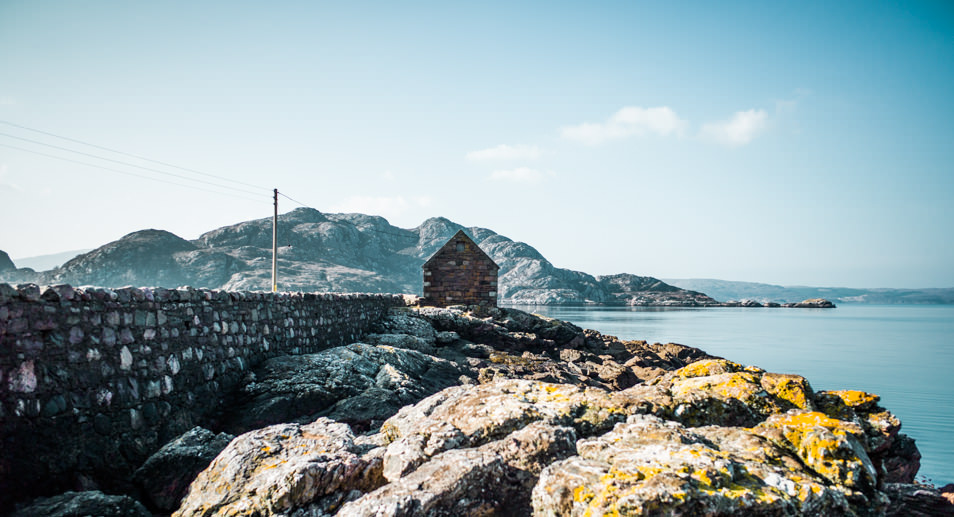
x=94, y=380
x=460, y=273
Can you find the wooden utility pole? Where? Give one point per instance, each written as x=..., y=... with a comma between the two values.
x=275, y=246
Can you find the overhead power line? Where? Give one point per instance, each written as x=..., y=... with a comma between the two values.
x=158, y=171
x=127, y=173
x=131, y=155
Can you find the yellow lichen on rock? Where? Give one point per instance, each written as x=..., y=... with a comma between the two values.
x=648, y=466
x=720, y=392
x=832, y=447
x=708, y=367
x=855, y=399
x=793, y=389
x=742, y=385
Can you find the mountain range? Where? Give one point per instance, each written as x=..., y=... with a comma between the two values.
x=339, y=253
x=363, y=253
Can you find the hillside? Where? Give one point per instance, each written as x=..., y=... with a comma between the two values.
x=341, y=253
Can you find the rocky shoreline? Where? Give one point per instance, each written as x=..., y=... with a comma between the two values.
x=444, y=412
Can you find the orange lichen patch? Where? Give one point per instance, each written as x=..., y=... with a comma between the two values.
x=793, y=389
x=855, y=399
x=708, y=367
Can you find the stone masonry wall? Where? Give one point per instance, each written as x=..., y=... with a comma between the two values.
x=460, y=274
x=94, y=380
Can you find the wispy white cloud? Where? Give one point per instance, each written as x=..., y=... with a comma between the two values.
x=505, y=152
x=520, y=175
x=387, y=206
x=739, y=130
x=627, y=122
x=388, y=175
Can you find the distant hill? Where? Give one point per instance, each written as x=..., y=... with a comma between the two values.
x=47, y=262
x=726, y=290
x=342, y=253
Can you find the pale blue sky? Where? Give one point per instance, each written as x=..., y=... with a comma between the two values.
x=782, y=142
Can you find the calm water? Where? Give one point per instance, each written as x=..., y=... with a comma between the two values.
x=903, y=353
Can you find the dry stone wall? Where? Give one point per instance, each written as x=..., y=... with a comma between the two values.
x=94, y=380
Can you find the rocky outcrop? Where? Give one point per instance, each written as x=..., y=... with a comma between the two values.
x=698, y=435
x=360, y=384
x=509, y=413
x=642, y=291
x=165, y=477
x=560, y=450
x=650, y=466
x=284, y=467
x=82, y=504
x=414, y=353
x=493, y=478
x=913, y=500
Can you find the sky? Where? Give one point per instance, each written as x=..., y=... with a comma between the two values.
x=795, y=143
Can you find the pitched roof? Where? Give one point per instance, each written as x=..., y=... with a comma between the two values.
x=460, y=235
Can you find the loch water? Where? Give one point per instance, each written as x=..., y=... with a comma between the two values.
x=904, y=353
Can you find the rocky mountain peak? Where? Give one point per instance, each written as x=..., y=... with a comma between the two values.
x=5, y=263
x=341, y=253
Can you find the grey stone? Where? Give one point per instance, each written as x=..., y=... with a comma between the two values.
x=165, y=477
x=78, y=504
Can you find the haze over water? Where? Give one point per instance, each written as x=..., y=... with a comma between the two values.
x=903, y=353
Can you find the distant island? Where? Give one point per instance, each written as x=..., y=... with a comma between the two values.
x=768, y=293
x=363, y=253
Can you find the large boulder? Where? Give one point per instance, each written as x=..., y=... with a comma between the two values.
x=165, y=477
x=470, y=416
x=720, y=392
x=360, y=384
x=913, y=500
x=893, y=453
x=495, y=478
x=283, y=467
x=649, y=466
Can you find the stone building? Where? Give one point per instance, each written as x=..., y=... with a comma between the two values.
x=460, y=273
